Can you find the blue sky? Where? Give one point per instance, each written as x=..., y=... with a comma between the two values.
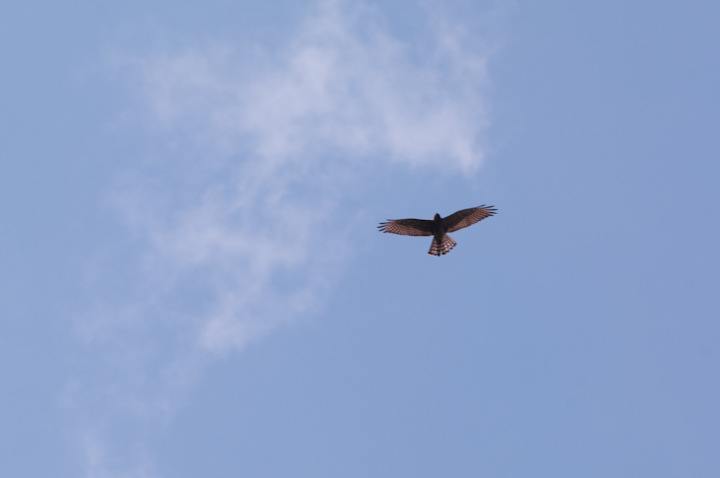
x=192, y=283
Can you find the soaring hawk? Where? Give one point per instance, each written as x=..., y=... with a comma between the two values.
x=438, y=227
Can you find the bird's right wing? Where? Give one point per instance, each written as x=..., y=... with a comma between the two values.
x=408, y=227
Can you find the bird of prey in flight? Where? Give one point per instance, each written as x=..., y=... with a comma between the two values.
x=438, y=227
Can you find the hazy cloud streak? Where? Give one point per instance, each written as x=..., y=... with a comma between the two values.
x=239, y=238
x=282, y=128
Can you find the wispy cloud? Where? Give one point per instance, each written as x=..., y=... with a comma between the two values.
x=342, y=84
x=237, y=240
x=281, y=130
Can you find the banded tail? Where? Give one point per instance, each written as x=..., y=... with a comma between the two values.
x=442, y=247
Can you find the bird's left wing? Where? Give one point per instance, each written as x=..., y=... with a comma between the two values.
x=467, y=217
x=408, y=227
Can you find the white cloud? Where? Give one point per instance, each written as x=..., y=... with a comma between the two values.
x=282, y=128
x=239, y=240
x=341, y=84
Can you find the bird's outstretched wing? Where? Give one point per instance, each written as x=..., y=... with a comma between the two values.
x=467, y=217
x=408, y=227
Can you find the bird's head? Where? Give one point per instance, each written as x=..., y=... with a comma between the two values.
x=437, y=217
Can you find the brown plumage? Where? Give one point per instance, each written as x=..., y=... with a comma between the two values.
x=438, y=227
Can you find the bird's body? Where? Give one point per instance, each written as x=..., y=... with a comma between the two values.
x=438, y=227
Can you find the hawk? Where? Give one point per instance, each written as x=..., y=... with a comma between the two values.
x=438, y=227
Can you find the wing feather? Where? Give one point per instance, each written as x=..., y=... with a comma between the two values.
x=467, y=217
x=408, y=227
